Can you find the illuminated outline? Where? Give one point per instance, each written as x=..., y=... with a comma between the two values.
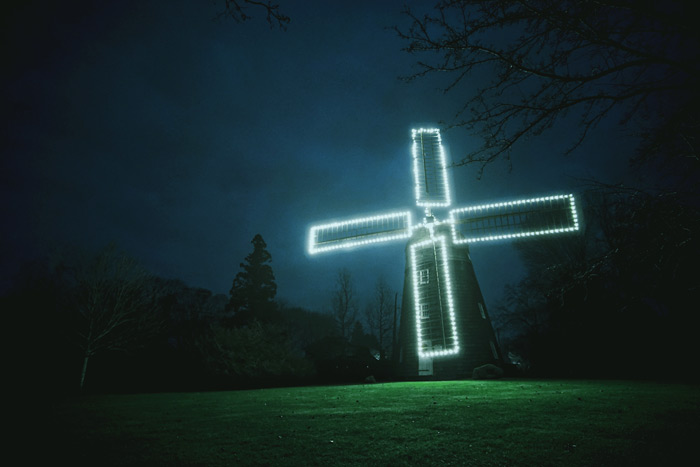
x=572, y=205
x=313, y=247
x=416, y=170
x=407, y=232
x=450, y=301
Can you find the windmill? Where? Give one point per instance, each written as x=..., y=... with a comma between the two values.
x=445, y=328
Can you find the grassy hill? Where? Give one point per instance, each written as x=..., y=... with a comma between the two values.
x=505, y=422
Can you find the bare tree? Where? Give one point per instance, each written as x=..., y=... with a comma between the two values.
x=524, y=311
x=344, y=302
x=114, y=304
x=380, y=314
x=239, y=11
x=616, y=58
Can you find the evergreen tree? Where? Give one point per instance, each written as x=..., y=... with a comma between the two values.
x=254, y=288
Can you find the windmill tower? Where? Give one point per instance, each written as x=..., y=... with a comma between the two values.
x=445, y=329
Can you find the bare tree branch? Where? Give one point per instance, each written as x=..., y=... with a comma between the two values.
x=114, y=303
x=379, y=314
x=547, y=59
x=344, y=302
x=239, y=11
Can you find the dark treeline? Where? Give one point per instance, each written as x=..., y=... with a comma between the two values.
x=101, y=323
x=617, y=300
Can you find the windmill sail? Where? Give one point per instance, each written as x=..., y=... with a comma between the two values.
x=429, y=169
x=436, y=325
x=514, y=219
x=360, y=231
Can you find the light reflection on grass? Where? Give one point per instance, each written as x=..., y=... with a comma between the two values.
x=516, y=422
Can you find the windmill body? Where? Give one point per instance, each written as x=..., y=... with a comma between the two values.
x=433, y=343
x=445, y=330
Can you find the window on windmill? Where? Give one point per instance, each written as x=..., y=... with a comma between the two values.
x=423, y=276
x=481, y=309
x=424, y=311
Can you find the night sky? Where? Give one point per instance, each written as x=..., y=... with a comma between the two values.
x=180, y=136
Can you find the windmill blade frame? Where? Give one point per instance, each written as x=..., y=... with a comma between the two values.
x=432, y=186
x=514, y=219
x=359, y=231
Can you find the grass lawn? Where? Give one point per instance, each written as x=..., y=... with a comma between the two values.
x=504, y=422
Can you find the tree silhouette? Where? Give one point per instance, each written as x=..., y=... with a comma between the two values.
x=254, y=288
x=379, y=315
x=612, y=301
x=344, y=303
x=114, y=304
x=633, y=61
x=238, y=11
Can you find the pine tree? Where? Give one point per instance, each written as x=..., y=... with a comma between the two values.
x=254, y=288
